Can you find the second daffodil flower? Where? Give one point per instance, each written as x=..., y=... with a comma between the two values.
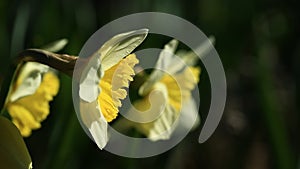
x=28, y=100
x=33, y=86
x=167, y=93
x=103, y=80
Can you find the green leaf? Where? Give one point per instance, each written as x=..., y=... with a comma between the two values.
x=13, y=151
x=56, y=45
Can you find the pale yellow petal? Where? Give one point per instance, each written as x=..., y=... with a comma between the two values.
x=94, y=120
x=119, y=46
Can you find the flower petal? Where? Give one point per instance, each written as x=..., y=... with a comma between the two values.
x=173, y=64
x=93, y=119
x=150, y=108
x=167, y=62
x=162, y=127
x=181, y=84
x=189, y=115
x=178, y=89
x=120, y=46
x=108, y=55
x=88, y=88
x=28, y=80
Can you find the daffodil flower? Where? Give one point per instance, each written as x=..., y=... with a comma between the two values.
x=31, y=92
x=33, y=87
x=103, y=80
x=167, y=93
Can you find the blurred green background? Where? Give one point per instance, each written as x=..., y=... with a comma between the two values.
x=258, y=42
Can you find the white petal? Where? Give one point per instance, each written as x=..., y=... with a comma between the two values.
x=165, y=123
x=30, y=77
x=166, y=55
x=98, y=131
x=93, y=119
x=120, y=46
x=189, y=117
x=89, y=83
x=168, y=122
x=167, y=62
x=158, y=101
x=108, y=55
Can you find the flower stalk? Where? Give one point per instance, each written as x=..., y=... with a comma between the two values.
x=63, y=62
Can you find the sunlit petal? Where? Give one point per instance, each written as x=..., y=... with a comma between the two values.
x=120, y=46
x=189, y=114
x=29, y=79
x=93, y=119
